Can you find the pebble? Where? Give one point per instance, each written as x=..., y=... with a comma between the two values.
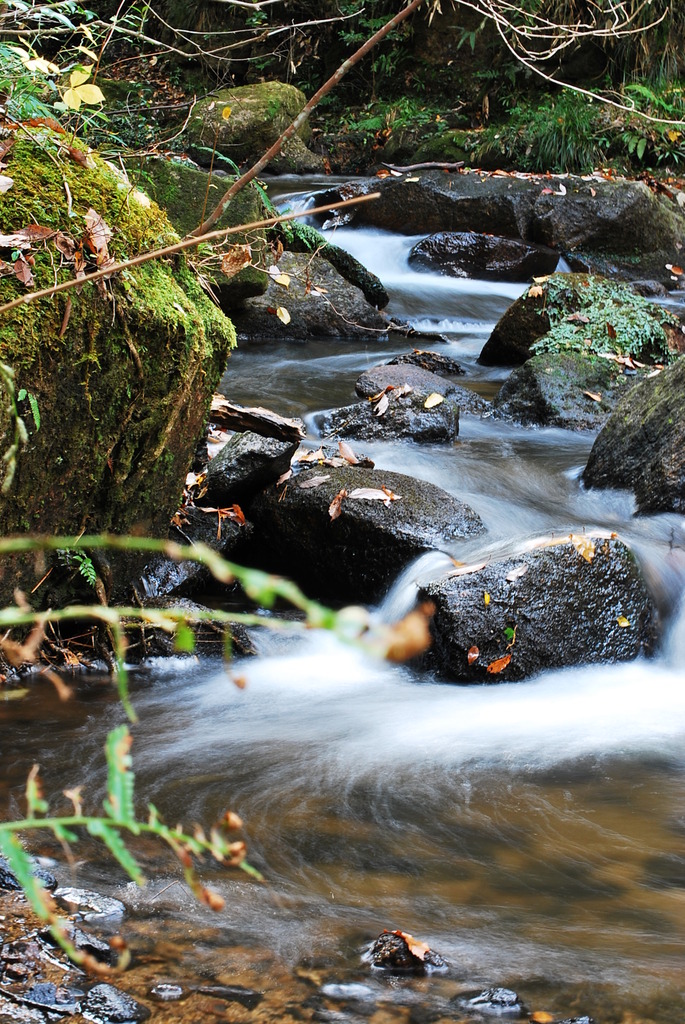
x=106, y=1004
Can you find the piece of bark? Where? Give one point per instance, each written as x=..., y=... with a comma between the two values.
x=258, y=420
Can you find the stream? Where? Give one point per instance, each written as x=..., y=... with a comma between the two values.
x=533, y=834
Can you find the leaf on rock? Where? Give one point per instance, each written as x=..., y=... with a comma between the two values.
x=594, y=395
x=611, y=331
x=410, y=636
x=235, y=259
x=541, y=1017
x=623, y=621
x=416, y=947
x=578, y=318
x=97, y=236
x=79, y=156
x=283, y=315
x=536, y=291
x=383, y=494
x=498, y=665
x=226, y=113
x=284, y=281
x=381, y=405
x=677, y=271
x=347, y=453
x=433, y=400
x=313, y=481
x=335, y=507
x=473, y=655
x=516, y=573
x=486, y=599
x=23, y=271
x=317, y=456
x=5, y=183
x=585, y=546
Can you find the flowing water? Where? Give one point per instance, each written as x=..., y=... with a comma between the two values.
x=533, y=834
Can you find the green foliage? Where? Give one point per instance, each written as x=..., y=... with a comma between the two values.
x=594, y=316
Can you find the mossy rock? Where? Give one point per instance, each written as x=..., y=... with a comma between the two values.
x=582, y=313
x=259, y=114
x=122, y=377
x=188, y=194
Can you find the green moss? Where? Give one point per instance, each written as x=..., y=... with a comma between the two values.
x=123, y=377
x=594, y=315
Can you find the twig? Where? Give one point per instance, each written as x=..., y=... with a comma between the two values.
x=186, y=243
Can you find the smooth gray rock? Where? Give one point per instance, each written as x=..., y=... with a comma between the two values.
x=487, y=257
x=246, y=463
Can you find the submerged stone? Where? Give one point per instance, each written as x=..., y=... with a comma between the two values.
x=495, y=1001
x=392, y=952
x=106, y=1004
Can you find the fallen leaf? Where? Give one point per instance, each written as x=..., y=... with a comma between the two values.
x=317, y=456
x=347, y=453
x=623, y=621
x=335, y=507
x=381, y=405
x=283, y=477
x=611, y=331
x=677, y=271
x=5, y=183
x=547, y=192
x=498, y=665
x=65, y=244
x=473, y=655
x=411, y=179
x=433, y=400
x=416, y=947
x=594, y=395
x=486, y=599
x=593, y=192
x=374, y=494
x=23, y=271
x=335, y=462
x=235, y=259
x=382, y=173
x=284, y=281
x=541, y=1017
x=516, y=573
x=579, y=318
x=562, y=191
x=313, y=481
x=79, y=156
x=226, y=113
x=410, y=636
x=585, y=546
x=97, y=236
x=536, y=291
x=283, y=315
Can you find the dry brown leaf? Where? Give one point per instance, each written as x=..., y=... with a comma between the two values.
x=335, y=507
x=433, y=400
x=313, y=481
x=381, y=405
x=23, y=271
x=536, y=291
x=579, y=318
x=516, y=573
x=498, y=665
x=383, y=494
x=284, y=476
x=347, y=454
x=411, y=635
x=97, y=235
x=473, y=655
x=594, y=395
x=79, y=156
x=541, y=1016
x=317, y=456
x=235, y=259
x=585, y=546
x=416, y=947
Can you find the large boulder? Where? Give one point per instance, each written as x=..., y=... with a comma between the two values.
x=188, y=194
x=398, y=373
x=245, y=464
x=565, y=389
x=582, y=313
x=319, y=303
x=642, y=446
x=257, y=116
x=617, y=228
x=350, y=548
x=488, y=257
x=581, y=601
x=117, y=381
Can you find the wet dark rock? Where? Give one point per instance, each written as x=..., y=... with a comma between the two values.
x=423, y=383
x=167, y=992
x=87, y=943
x=606, y=224
x=556, y=390
x=405, y=416
x=58, y=999
x=649, y=289
x=357, y=555
x=9, y=881
x=353, y=991
x=247, y=997
x=433, y=361
x=496, y=1001
x=488, y=257
x=321, y=303
x=109, y=1005
x=148, y=641
x=576, y=1020
x=548, y=608
x=642, y=446
x=567, y=310
x=166, y=577
x=391, y=952
x=304, y=238
x=88, y=905
x=245, y=464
